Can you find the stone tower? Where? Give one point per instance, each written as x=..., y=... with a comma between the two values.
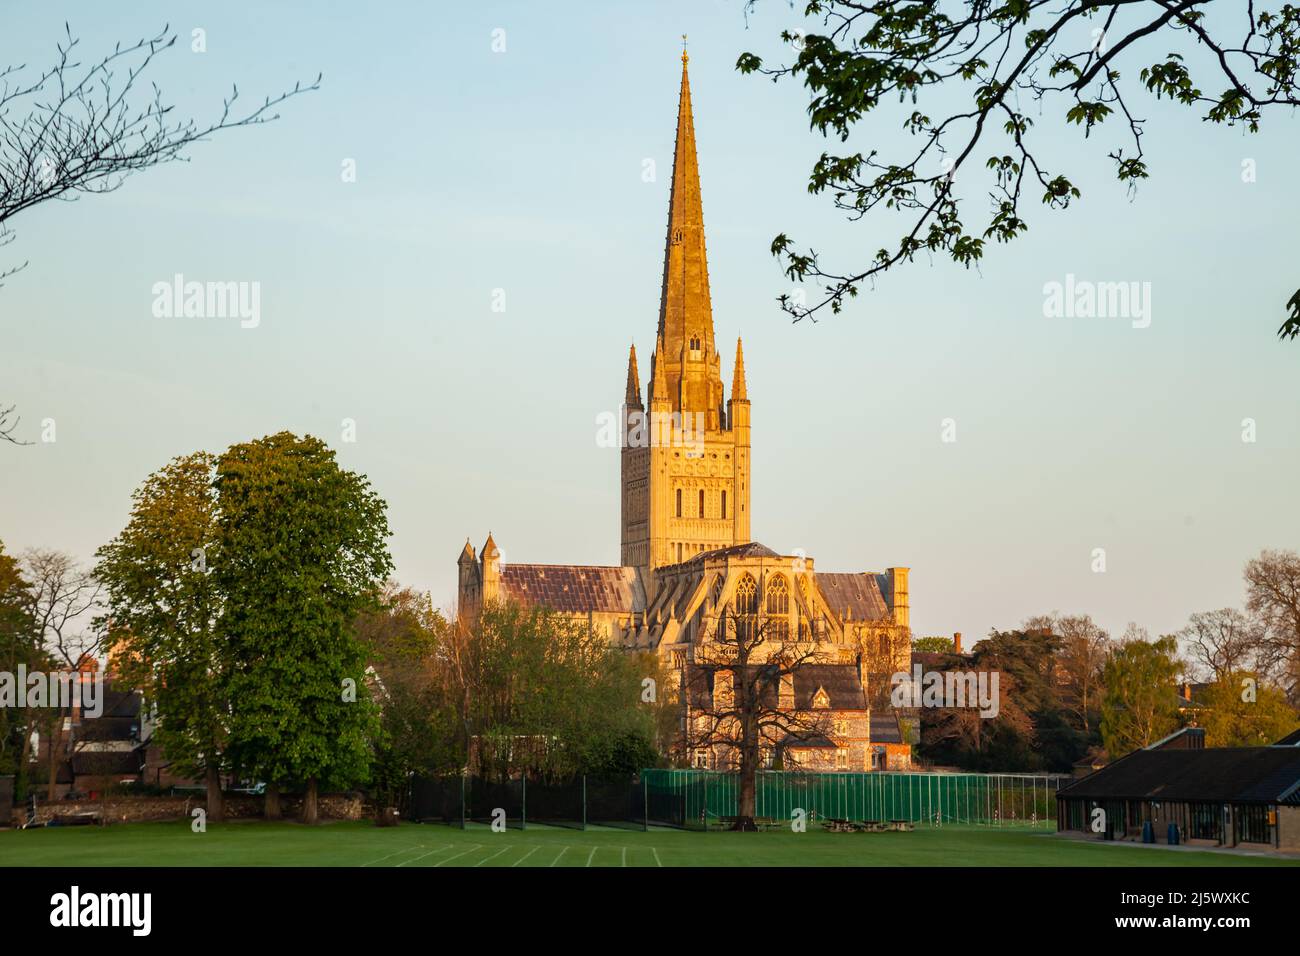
x=685, y=457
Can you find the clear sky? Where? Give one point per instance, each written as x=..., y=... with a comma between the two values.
x=522, y=171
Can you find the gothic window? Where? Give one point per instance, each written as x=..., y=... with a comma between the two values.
x=701, y=502
x=677, y=236
x=821, y=700
x=778, y=608
x=724, y=505
x=679, y=502
x=746, y=607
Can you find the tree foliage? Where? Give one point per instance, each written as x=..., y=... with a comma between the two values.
x=971, y=83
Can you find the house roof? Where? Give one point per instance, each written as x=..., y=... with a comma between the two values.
x=1290, y=740
x=885, y=729
x=855, y=596
x=1219, y=774
x=571, y=588
x=106, y=763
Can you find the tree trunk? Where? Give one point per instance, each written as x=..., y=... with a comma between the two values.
x=56, y=742
x=745, y=800
x=216, y=805
x=272, y=808
x=309, y=808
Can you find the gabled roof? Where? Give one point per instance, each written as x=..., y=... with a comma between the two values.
x=571, y=588
x=1219, y=774
x=857, y=597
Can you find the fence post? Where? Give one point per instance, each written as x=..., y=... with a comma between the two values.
x=645, y=801
x=523, y=801
x=584, y=801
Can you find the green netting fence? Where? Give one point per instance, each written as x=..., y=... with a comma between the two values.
x=701, y=798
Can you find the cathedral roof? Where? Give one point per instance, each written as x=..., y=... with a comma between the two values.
x=750, y=549
x=856, y=597
x=571, y=588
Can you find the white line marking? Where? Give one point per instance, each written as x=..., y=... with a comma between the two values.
x=526, y=856
x=593, y=853
x=624, y=856
x=557, y=859
x=658, y=862
x=476, y=846
x=496, y=854
x=418, y=846
x=423, y=855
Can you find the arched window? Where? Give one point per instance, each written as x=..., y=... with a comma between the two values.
x=679, y=502
x=701, y=502
x=746, y=608
x=724, y=505
x=778, y=608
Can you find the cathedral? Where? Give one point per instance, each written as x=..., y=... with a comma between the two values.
x=687, y=555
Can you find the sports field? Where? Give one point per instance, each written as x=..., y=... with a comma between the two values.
x=257, y=843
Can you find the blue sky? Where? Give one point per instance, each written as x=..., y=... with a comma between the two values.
x=522, y=171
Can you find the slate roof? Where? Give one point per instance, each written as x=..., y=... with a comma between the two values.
x=750, y=549
x=855, y=596
x=841, y=682
x=571, y=588
x=1290, y=740
x=885, y=729
x=107, y=763
x=1218, y=774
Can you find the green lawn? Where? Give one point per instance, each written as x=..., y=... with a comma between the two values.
x=254, y=843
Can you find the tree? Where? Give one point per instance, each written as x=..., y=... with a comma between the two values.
x=1003, y=63
x=76, y=128
x=1239, y=711
x=1221, y=642
x=405, y=641
x=934, y=645
x=1083, y=650
x=1273, y=596
x=301, y=551
x=542, y=694
x=740, y=692
x=163, y=612
x=1139, y=705
x=20, y=645
x=64, y=598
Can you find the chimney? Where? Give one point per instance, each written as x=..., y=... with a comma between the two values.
x=956, y=641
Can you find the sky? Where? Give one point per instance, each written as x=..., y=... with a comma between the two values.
x=489, y=177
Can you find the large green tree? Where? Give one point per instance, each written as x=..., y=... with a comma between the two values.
x=974, y=82
x=163, y=611
x=1237, y=710
x=302, y=551
x=1139, y=705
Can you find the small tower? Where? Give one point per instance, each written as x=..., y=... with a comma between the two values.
x=738, y=420
x=490, y=570
x=471, y=583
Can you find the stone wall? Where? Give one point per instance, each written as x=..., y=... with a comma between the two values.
x=129, y=809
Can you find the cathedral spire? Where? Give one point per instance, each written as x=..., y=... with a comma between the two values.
x=685, y=346
x=738, y=392
x=633, y=394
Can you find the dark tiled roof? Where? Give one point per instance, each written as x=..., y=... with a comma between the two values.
x=106, y=763
x=750, y=549
x=841, y=681
x=855, y=596
x=1226, y=774
x=572, y=588
x=1290, y=740
x=885, y=729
